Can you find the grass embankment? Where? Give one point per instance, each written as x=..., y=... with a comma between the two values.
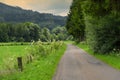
x=40, y=69
x=112, y=59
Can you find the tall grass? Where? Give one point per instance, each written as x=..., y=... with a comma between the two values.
x=9, y=54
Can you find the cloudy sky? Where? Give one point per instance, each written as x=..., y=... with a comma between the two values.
x=57, y=7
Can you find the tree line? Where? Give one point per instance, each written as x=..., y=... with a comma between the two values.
x=97, y=22
x=26, y=32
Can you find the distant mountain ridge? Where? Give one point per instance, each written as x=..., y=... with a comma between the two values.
x=18, y=15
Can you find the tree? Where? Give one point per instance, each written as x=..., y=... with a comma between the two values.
x=3, y=33
x=19, y=32
x=46, y=33
x=102, y=25
x=33, y=29
x=75, y=21
x=99, y=19
x=60, y=33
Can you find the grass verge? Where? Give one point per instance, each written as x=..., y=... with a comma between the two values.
x=41, y=69
x=112, y=59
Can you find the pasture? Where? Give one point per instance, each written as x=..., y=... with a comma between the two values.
x=9, y=54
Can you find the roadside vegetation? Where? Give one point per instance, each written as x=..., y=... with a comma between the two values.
x=112, y=59
x=95, y=26
x=97, y=22
x=45, y=58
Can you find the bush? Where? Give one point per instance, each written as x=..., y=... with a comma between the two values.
x=104, y=35
x=42, y=49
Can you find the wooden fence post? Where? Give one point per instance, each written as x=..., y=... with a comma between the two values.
x=20, y=65
x=28, y=61
x=30, y=58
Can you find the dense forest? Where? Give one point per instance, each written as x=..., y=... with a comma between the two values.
x=18, y=15
x=97, y=22
x=26, y=32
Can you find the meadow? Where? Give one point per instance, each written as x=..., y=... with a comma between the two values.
x=45, y=60
x=8, y=54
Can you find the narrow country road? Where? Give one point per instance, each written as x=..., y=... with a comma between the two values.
x=78, y=65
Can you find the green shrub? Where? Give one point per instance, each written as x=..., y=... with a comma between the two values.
x=104, y=36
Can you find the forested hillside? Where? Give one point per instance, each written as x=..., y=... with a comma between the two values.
x=18, y=15
x=97, y=22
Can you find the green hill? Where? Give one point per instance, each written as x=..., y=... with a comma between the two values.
x=18, y=15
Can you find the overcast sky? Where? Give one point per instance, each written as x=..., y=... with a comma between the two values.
x=57, y=7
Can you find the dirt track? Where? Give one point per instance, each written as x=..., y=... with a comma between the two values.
x=78, y=65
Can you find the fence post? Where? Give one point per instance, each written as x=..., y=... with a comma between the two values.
x=20, y=65
x=30, y=58
x=28, y=61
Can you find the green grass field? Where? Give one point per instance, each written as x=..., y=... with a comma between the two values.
x=10, y=53
x=112, y=59
x=39, y=69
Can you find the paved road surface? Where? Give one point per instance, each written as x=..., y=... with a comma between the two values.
x=78, y=65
